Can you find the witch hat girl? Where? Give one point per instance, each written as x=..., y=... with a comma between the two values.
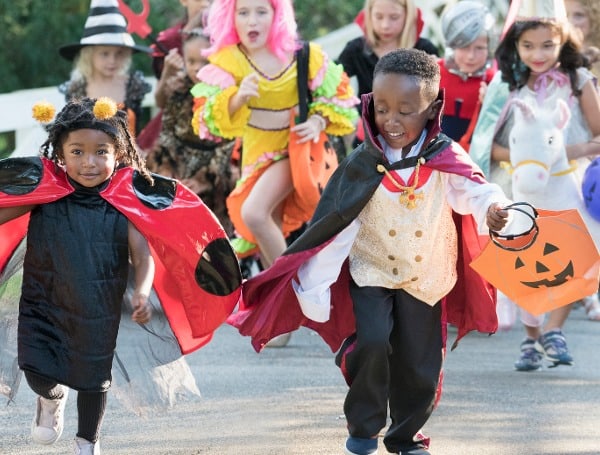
x=105, y=26
x=102, y=62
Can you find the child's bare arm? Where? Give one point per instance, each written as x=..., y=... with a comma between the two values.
x=248, y=89
x=144, y=275
x=170, y=79
x=500, y=153
x=10, y=213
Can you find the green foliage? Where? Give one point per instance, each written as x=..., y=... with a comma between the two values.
x=35, y=29
x=7, y=144
x=318, y=17
x=32, y=31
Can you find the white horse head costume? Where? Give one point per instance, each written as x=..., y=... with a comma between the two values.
x=541, y=172
x=537, y=152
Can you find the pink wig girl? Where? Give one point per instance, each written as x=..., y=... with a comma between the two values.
x=282, y=37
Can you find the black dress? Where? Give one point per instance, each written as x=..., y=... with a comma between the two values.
x=74, y=278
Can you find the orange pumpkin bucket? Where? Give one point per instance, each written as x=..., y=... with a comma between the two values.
x=312, y=164
x=551, y=265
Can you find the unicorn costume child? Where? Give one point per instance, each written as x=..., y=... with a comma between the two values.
x=540, y=63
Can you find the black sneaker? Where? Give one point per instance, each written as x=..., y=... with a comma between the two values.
x=360, y=446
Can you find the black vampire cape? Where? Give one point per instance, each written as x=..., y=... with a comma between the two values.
x=270, y=307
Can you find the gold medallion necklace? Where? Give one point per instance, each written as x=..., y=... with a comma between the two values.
x=408, y=197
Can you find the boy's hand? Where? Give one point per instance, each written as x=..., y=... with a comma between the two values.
x=496, y=217
x=142, y=311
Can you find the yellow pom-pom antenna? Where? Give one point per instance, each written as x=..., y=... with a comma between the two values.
x=105, y=108
x=43, y=111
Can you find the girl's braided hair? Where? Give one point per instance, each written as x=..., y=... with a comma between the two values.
x=79, y=114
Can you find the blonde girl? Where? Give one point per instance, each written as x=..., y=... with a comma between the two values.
x=102, y=62
x=387, y=25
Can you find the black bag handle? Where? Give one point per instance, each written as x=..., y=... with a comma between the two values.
x=304, y=95
x=533, y=231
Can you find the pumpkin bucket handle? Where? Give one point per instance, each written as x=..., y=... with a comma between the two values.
x=522, y=241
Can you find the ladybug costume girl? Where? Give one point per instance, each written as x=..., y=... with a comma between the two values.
x=88, y=207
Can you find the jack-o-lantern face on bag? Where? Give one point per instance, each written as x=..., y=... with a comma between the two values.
x=547, y=268
x=554, y=264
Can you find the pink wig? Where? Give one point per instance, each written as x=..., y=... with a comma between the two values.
x=282, y=37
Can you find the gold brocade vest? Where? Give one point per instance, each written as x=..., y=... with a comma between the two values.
x=412, y=249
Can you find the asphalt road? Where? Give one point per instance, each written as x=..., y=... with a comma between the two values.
x=289, y=401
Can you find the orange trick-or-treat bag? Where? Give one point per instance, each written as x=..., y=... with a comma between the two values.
x=552, y=264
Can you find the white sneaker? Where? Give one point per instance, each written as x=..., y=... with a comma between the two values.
x=279, y=341
x=48, y=421
x=85, y=447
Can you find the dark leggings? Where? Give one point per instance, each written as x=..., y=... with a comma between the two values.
x=90, y=405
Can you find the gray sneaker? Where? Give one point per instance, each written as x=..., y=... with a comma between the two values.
x=531, y=356
x=85, y=447
x=555, y=348
x=48, y=421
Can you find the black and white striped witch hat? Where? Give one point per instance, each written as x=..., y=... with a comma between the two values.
x=105, y=26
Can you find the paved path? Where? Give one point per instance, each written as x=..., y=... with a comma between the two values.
x=289, y=402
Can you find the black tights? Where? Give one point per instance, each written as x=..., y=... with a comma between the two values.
x=90, y=405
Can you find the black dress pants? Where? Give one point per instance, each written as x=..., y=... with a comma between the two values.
x=396, y=361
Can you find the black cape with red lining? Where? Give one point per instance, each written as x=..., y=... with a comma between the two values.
x=270, y=306
x=197, y=277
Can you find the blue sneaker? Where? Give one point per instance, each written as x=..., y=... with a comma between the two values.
x=360, y=446
x=555, y=348
x=531, y=356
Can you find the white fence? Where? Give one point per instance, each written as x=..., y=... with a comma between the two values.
x=15, y=116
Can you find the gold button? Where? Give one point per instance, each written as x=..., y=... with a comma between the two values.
x=414, y=278
x=419, y=234
x=391, y=257
x=418, y=258
x=395, y=271
x=392, y=232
